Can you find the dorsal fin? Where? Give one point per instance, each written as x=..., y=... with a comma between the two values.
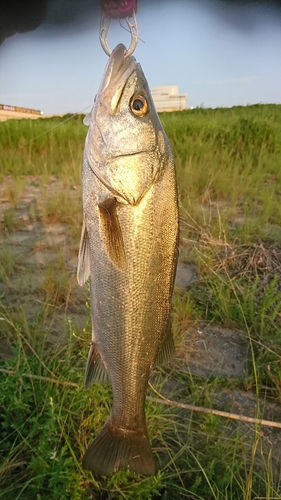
x=112, y=233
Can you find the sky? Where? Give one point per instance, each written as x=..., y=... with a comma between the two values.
x=219, y=55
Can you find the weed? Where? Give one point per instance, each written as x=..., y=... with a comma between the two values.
x=10, y=221
x=45, y=427
x=228, y=168
x=13, y=191
x=64, y=207
x=8, y=264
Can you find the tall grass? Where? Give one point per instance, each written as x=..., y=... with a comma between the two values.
x=42, y=147
x=228, y=168
x=222, y=155
x=232, y=156
x=47, y=419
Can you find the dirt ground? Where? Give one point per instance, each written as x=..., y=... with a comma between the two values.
x=35, y=247
x=30, y=250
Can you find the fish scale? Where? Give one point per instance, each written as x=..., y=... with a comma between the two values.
x=128, y=249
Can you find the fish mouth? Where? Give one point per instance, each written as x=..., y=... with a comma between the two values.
x=117, y=71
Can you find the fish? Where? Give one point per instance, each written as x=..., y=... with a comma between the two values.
x=128, y=251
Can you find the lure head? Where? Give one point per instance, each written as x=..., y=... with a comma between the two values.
x=119, y=9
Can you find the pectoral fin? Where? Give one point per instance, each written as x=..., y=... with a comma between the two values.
x=84, y=269
x=112, y=233
x=167, y=349
x=95, y=368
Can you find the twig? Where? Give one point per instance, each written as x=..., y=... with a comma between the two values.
x=160, y=400
x=39, y=377
x=234, y=416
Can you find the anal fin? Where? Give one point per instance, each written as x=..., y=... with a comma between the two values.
x=95, y=368
x=112, y=233
x=167, y=349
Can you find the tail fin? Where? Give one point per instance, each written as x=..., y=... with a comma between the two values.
x=115, y=448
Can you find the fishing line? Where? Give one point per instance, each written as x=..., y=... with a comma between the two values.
x=128, y=31
x=55, y=126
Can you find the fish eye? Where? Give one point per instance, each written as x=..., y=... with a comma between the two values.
x=139, y=105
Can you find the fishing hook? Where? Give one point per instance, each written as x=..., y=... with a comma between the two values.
x=133, y=28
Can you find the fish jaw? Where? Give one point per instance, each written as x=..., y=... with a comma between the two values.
x=129, y=177
x=116, y=73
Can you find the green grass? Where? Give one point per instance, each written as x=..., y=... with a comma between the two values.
x=229, y=177
x=42, y=148
x=46, y=426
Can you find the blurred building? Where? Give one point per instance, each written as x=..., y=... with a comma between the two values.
x=168, y=98
x=7, y=112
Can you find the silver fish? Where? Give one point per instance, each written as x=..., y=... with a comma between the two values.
x=129, y=249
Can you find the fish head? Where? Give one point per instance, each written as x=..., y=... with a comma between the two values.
x=126, y=145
